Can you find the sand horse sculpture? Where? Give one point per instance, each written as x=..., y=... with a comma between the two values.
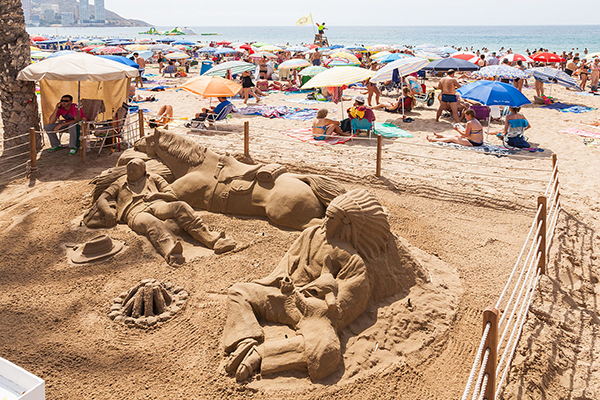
x=219, y=183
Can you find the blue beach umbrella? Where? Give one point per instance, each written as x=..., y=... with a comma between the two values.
x=166, y=40
x=493, y=93
x=448, y=50
x=355, y=48
x=297, y=48
x=456, y=64
x=185, y=43
x=552, y=75
x=225, y=50
x=207, y=50
x=61, y=53
x=122, y=60
x=391, y=57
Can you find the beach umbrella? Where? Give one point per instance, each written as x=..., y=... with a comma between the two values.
x=61, y=53
x=166, y=40
x=592, y=55
x=448, y=50
x=456, y=64
x=348, y=56
x=145, y=54
x=121, y=59
x=246, y=47
x=33, y=48
x=261, y=55
x=467, y=56
x=404, y=66
x=207, y=50
x=40, y=55
x=355, y=48
x=388, y=58
x=95, y=41
x=87, y=49
x=184, y=42
x=225, y=50
x=553, y=75
x=260, y=44
x=338, y=77
x=39, y=38
x=182, y=47
x=212, y=86
x=501, y=71
x=516, y=57
x=270, y=48
x=492, y=93
x=297, y=49
x=339, y=62
x=177, y=56
x=161, y=47
x=427, y=55
x=113, y=50
x=136, y=47
x=547, y=57
x=223, y=43
x=294, y=63
x=379, y=47
x=236, y=67
x=312, y=71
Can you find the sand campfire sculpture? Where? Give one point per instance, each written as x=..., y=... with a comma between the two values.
x=323, y=283
x=148, y=303
x=209, y=181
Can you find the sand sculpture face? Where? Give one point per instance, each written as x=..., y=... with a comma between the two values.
x=321, y=285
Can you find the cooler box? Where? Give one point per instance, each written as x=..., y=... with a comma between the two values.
x=18, y=384
x=206, y=65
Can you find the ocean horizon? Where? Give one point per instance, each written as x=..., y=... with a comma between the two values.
x=516, y=37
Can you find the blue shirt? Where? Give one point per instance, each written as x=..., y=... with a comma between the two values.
x=221, y=106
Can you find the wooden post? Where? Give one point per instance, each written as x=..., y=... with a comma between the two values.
x=555, y=176
x=543, y=201
x=32, y=150
x=379, y=145
x=141, y=121
x=491, y=315
x=83, y=140
x=247, y=138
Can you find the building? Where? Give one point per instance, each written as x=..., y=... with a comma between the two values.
x=49, y=14
x=100, y=15
x=84, y=11
x=67, y=18
x=27, y=10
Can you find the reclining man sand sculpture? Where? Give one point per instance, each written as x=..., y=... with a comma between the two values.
x=144, y=201
x=321, y=285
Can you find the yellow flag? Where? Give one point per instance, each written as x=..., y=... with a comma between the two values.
x=307, y=19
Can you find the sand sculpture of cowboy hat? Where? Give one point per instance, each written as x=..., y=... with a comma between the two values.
x=99, y=247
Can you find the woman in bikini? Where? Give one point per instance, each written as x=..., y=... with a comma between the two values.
x=323, y=126
x=471, y=136
x=583, y=74
x=248, y=87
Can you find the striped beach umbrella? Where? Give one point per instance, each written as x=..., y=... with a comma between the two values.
x=312, y=71
x=339, y=62
x=300, y=49
x=553, y=75
x=335, y=77
x=467, y=56
x=380, y=54
x=592, y=55
x=270, y=47
x=350, y=57
x=404, y=66
x=501, y=71
x=294, y=63
x=236, y=67
x=261, y=55
x=379, y=47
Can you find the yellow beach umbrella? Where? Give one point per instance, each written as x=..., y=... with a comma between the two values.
x=212, y=86
x=350, y=57
x=136, y=47
x=33, y=48
x=270, y=48
x=338, y=77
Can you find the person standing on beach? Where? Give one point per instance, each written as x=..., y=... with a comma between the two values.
x=595, y=67
x=142, y=68
x=493, y=60
x=583, y=74
x=448, y=86
x=571, y=66
x=316, y=58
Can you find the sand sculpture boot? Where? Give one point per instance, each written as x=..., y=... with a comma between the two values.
x=213, y=240
x=172, y=250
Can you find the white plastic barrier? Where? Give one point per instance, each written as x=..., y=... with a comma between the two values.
x=18, y=384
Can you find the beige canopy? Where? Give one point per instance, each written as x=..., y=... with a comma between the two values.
x=83, y=76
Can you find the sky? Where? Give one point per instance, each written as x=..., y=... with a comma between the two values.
x=358, y=12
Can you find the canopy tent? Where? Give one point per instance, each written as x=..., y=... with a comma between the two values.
x=84, y=77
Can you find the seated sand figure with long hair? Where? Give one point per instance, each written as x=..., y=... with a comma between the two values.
x=144, y=201
x=321, y=285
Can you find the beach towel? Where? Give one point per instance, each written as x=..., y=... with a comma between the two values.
x=562, y=107
x=582, y=132
x=305, y=134
x=388, y=130
x=485, y=148
x=279, y=112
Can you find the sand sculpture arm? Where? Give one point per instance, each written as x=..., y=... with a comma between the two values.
x=102, y=203
x=353, y=290
x=164, y=190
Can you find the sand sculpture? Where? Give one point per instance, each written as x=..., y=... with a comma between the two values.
x=148, y=303
x=144, y=201
x=322, y=284
x=209, y=181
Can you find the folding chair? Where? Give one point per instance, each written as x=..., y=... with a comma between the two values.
x=361, y=124
x=106, y=132
x=213, y=121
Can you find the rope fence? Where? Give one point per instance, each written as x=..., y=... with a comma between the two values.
x=522, y=284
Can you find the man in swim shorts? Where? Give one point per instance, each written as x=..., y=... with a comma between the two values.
x=448, y=86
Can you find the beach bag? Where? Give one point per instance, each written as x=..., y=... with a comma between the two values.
x=517, y=141
x=196, y=123
x=346, y=125
x=262, y=84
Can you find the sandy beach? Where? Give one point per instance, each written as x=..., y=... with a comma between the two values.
x=468, y=228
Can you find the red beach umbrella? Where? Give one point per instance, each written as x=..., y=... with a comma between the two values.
x=87, y=49
x=246, y=47
x=114, y=50
x=547, y=57
x=472, y=57
x=224, y=43
x=39, y=38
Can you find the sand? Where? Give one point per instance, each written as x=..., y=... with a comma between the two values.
x=55, y=314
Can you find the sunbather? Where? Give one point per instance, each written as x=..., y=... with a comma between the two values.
x=323, y=126
x=164, y=116
x=470, y=135
x=396, y=106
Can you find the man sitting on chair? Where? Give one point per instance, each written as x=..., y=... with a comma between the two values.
x=70, y=114
x=211, y=114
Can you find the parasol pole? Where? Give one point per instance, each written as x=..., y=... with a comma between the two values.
x=312, y=22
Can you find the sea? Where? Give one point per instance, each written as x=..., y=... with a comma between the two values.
x=517, y=38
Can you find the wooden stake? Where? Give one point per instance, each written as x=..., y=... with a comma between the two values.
x=491, y=315
x=543, y=201
x=83, y=140
x=141, y=121
x=247, y=139
x=32, y=150
x=379, y=147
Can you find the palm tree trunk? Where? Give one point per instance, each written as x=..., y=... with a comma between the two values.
x=17, y=98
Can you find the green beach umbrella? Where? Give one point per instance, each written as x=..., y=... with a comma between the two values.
x=236, y=67
x=312, y=71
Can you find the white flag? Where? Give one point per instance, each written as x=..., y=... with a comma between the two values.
x=307, y=19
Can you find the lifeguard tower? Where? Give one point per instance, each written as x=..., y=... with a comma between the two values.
x=321, y=40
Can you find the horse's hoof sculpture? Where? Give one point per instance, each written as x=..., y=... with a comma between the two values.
x=148, y=303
